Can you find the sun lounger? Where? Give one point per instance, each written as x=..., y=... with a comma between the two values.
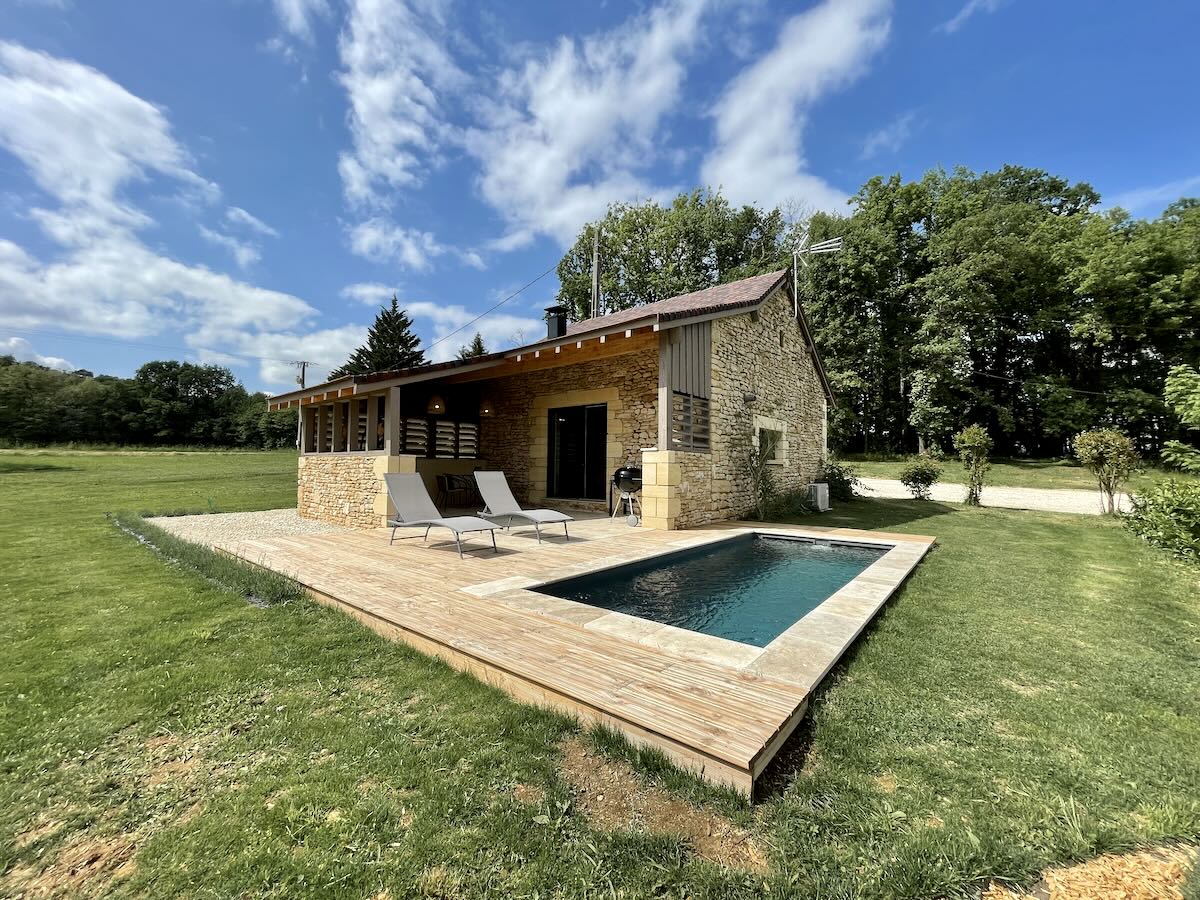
x=502, y=506
x=414, y=509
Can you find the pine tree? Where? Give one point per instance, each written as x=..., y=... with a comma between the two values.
x=473, y=349
x=391, y=344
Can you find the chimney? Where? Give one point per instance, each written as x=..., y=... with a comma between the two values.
x=556, y=322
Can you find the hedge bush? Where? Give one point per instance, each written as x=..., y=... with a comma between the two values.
x=974, y=444
x=842, y=480
x=921, y=473
x=1111, y=456
x=1168, y=516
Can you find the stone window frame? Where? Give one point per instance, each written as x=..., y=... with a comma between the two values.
x=780, y=427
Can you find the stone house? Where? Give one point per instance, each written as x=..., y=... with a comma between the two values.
x=683, y=387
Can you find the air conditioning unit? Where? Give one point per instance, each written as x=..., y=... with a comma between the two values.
x=818, y=496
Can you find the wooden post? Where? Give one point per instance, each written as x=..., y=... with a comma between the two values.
x=391, y=420
x=339, y=440
x=666, y=399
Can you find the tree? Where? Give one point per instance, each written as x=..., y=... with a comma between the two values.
x=391, y=344
x=1111, y=456
x=974, y=444
x=166, y=402
x=1183, y=395
x=650, y=252
x=1002, y=298
x=474, y=349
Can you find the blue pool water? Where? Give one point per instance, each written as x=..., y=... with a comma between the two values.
x=749, y=589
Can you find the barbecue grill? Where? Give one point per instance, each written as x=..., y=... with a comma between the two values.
x=627, y=481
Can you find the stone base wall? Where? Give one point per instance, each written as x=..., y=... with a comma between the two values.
x=347, y=490
x=515, y=438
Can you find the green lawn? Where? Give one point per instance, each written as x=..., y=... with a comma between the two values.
x=1032, y=697
x=1031, y=473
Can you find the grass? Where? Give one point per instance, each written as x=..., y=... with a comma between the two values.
x=1025, y=473
x=1031, y=698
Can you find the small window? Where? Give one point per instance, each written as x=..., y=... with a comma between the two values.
x=416, y=437
x=770, y=442
x=441, y=438
x=781, y=340
x=689, y=422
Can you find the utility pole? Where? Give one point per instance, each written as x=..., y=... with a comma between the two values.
x=596, y=273
x=302, y=365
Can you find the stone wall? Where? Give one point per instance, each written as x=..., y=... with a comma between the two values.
x=764, y=354
x=771, y=359
x=514, y=439
x=347, y=489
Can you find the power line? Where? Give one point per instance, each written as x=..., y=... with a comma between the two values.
x=492, y=309
x=1028, y=382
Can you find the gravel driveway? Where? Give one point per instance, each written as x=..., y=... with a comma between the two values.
x=1070, y=501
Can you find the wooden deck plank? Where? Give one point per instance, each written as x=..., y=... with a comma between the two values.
x=714, y=716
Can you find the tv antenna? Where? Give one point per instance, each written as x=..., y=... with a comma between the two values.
x=802, y=252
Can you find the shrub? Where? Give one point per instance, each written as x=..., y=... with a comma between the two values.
x=790, y=505
x=759, y=459
x=974, y=444
x=1111, y=456
x=1183, y=396
x=842, y=480
x=921, y=473
x=1168, y=516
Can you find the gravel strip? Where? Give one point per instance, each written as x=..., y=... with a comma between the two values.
x=1044, y=499
x=231, y=528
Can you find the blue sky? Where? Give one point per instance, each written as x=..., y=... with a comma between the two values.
x=244, y=181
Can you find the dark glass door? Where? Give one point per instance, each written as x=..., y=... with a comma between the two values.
x=578, y=442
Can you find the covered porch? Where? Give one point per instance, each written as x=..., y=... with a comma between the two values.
x=557, y=418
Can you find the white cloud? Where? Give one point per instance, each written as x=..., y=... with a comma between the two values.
x=500, y=331
x=326, y=349
x=82, y=135
x=969, y=9
x=24, y=352
x=297, y=16
x=244, y=252
x=396, y=70
x=84, y=140
x=571, y=128
x=372, y=293
x=891, y=137
x=761, y=116
x=381, y=240
x=239, y=216
x=1154, y=198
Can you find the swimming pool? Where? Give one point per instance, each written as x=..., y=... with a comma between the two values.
x=749, y=589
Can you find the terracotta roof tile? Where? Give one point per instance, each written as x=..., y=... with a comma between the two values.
x=747, y=292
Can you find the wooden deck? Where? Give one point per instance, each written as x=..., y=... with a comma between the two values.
x=721, y=720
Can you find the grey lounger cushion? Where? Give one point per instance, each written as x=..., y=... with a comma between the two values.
x=502, y=505
x=415, y=508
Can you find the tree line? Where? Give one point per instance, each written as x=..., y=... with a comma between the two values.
x=1008, y=299
x=166, y=403
x=170, y=403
